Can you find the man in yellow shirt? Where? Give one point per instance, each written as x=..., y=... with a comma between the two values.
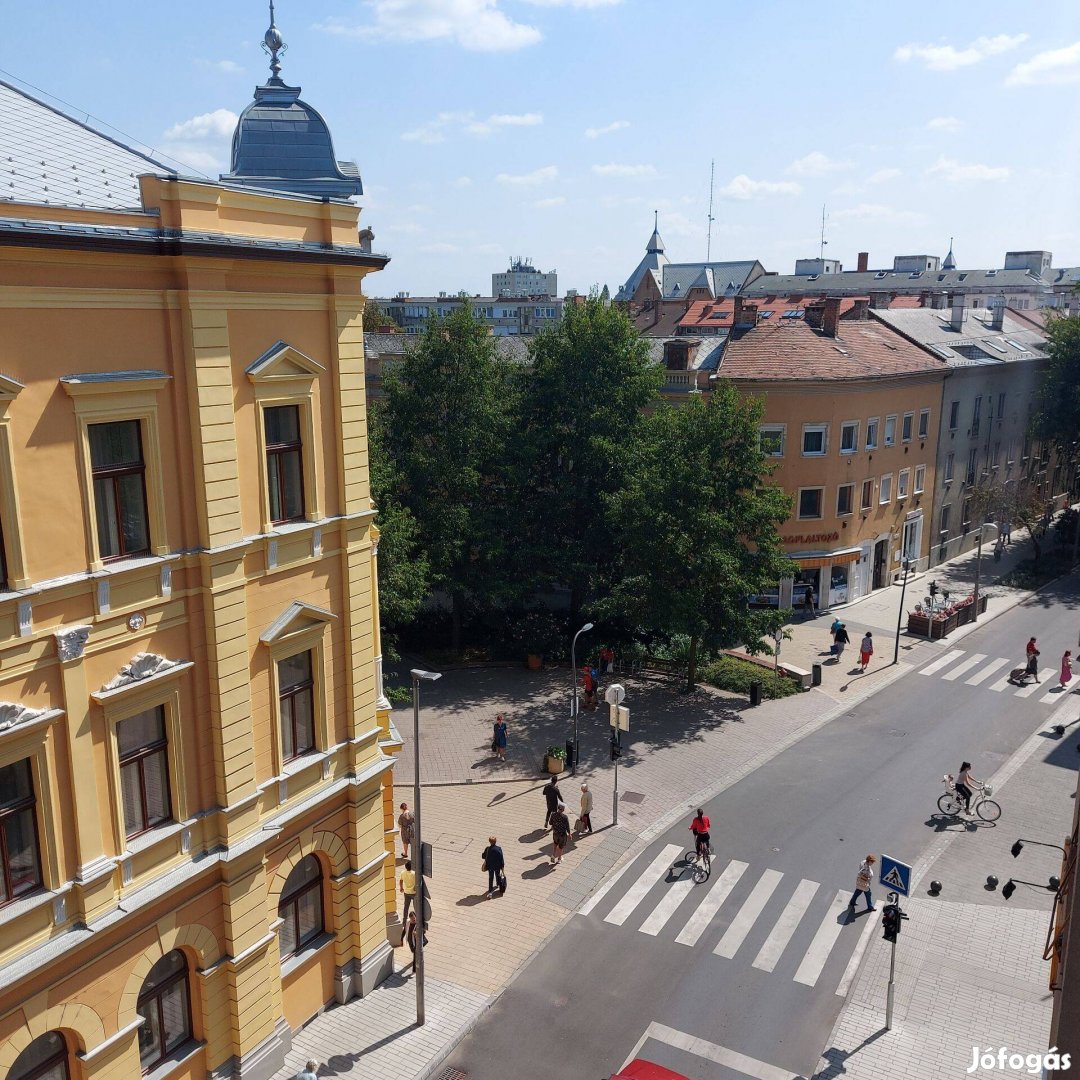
x=407, y=887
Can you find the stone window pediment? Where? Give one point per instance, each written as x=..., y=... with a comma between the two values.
x=283, y=363
x=297, y=618
x=141, y=669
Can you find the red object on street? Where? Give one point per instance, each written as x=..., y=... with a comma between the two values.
x=640, y=1069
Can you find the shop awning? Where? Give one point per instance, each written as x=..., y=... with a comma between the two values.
x=811, y=562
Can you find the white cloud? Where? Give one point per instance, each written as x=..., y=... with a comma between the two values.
x=950, y=58
x=477, y=25
x=1055, y=67
x=533, y=179
x=463, y=182
x=608, y=129
x=556, y=200
x=816, y=164
x=957, y=172
x=876, y=211
x=226, y=67
x=436, y=131
x=743, y=189
x=882, y=176
x=943, y=123
x=630, y=171
x=201, y=143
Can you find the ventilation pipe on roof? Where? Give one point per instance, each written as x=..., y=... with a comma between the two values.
x=957, y=319
x=997, y=316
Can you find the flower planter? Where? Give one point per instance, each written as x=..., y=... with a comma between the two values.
x=534, y=661
x=554, y=765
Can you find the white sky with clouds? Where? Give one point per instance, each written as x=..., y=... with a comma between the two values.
x=553, y=128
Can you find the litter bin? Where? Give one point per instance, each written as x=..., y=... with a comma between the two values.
x=755, y=692
x=816, y=675
x=570, y=753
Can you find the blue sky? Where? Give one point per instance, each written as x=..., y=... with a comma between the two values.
x=553, y=128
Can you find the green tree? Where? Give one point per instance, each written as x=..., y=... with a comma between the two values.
x=697, y=527
x=444, y=423
x=582, y=402
x=375, y=319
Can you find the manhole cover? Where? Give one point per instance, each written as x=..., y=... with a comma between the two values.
x=451, y=842
x=632, y=796
x=452, y=1074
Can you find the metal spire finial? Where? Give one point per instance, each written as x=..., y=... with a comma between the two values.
x=273, y=43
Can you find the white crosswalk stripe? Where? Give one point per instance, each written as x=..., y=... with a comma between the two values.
x=964, y=666
x=814, y=961
x=748, y=914
x=941, y=662
x=1002, y=684
x=663, y=911
x=986, y=672
x=780, y=934
x=1033, y=686
x=636, y=893
x=1054, y=695
x=707, y=909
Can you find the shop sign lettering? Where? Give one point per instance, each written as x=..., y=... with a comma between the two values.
x=812, y=538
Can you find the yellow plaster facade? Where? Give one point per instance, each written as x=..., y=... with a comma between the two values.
x=192, y=627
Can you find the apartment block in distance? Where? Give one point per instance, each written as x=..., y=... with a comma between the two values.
x=195, y=753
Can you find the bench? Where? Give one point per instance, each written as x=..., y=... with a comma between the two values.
x=803, y=677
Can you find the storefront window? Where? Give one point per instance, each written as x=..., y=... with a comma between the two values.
x=838, y=584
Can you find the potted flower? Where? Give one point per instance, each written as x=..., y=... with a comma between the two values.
x=538, y=633
x=555, y=759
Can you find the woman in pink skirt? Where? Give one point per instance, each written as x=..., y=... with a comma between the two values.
x=1066, y=668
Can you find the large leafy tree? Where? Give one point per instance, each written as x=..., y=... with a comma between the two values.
x=581, y=406
x=696, y=526
x=444, y=424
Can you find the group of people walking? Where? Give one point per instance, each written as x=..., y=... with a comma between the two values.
x=841, y=640
x=558, y=821
x=1032, y=665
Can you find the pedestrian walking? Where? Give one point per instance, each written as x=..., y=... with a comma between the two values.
x=560, y=833
x=309, y=1071
x=863, y=880
x=407, y=887
x=999, y=549
x=841, y=641
x=410, y=937
x=808, y=600
x=405, y=829
x=836, y=624
x=1006, y=532
x=552, y=796
x=866, y=649
x=498, y=742
x=607, y=660
x=1031, y=648
x=1032, y=668
x=1066, y=669
x=586, y=808
x=588, y=686
x=495, y=864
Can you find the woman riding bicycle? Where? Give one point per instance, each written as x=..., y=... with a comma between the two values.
x=963, y=780
x=700, y=828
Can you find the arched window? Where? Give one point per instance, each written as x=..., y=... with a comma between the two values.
x=301, y=906
x=165, y=1007
x=46, y=1058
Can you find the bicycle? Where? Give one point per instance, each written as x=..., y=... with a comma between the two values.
x=951, y=804
x=701, y=863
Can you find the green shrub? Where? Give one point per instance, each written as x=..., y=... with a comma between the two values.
x=730, y=673
x=1030, y=574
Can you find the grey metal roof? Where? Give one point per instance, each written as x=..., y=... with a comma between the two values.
x=381, y=346
x=975, y=343
x=49, y=158
x=679, y=278
x=653, y=263
x=862, y=282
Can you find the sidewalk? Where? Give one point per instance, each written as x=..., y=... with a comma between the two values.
x=682, y=750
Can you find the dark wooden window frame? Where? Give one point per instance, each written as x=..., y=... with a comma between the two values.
x=289, y=910
x=154, y=998
x=290, y=694
x=136, y=759
x=59, y=1058
x=281, y=450
x=28, y=803
x=116, y=473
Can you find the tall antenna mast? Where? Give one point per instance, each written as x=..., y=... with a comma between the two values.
x=712, y=179
x=821, y=249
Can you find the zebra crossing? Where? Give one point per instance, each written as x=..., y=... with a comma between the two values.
x=736, y=914
x=979, y=669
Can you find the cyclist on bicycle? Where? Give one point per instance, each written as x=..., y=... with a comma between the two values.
x=963, y=780
x=700, y=828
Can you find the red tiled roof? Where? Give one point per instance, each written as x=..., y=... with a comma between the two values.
x=791, y=350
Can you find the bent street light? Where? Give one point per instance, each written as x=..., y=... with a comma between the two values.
x=573, y=676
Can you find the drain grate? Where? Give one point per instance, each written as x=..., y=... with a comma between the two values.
x=632, y=796
x=452, y=1074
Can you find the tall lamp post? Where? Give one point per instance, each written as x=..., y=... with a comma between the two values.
x=900, y=613
x=573, y=676
x=418, y=848
x=978, y=565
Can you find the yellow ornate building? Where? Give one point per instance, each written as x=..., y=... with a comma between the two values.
x=196, y=821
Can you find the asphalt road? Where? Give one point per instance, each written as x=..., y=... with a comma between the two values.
x=759, y=975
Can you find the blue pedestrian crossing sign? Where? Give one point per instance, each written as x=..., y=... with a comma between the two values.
x=895, y=876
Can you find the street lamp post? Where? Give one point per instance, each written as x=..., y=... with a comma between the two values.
x=418, y=847
x=900, y=613
x=978, y=565
x=573, y=676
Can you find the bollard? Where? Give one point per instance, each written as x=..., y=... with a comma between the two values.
x=755, y=692
x=816, y=675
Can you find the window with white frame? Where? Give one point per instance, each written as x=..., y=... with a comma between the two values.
x=920, y=479
x=849, y=436
x=903, y=481
x=845, y=499
x=890, y=430
x=907, y=427
x=814, y=439
x=810, y=502
x=924, y=423
x=871, y=433
x=885, y=489
x=771, y=438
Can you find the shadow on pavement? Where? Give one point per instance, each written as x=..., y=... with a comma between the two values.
x=837, y=1058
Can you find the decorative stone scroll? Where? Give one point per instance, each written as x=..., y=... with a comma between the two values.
x=141, y=666
x=70, y=643
x=13, y=715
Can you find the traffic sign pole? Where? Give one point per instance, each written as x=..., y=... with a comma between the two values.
x=893, y=898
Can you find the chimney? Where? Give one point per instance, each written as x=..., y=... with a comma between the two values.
x=940, y=300
x=957, y=320
x=859, y=311
x=745, y=313
x=864, y=262
x=831, y=318
x=879, y=300
x=814, y=314
x=997, y=317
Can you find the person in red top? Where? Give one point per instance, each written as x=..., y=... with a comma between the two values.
x=700, y=828
x=589, y=687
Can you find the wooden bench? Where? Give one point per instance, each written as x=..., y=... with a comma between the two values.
x=803, y=677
